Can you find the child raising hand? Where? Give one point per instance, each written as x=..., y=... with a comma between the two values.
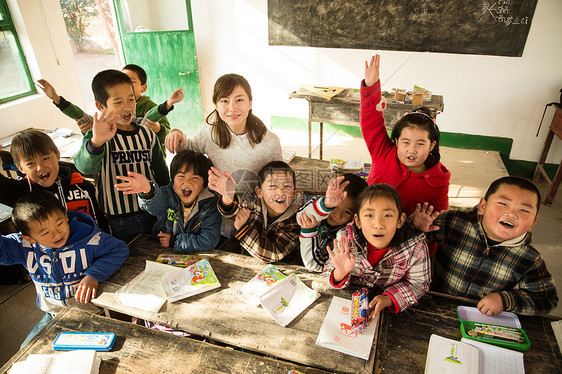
x=378, y=249
x=408, y=160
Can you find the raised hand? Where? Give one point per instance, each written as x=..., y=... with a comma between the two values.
x=223, y=183
x=423, y=217
x=49, y=90
x=135, y=183
x=342, y=258
x=174, y=141
x=307, y=222
x=372, y=70
x=241, y=217
x=175, y=97
x=335, y=193
x=104, y=128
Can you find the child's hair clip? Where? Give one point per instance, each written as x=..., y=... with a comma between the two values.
x=422, y=113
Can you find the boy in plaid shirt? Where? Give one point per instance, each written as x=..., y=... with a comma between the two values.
x=486, y=253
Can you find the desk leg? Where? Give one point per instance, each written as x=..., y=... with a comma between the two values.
x=554, y=186
x=321, y=140
x=544, y=153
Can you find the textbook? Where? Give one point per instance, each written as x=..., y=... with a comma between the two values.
x=158, y=283
x=75, y=362
x=259, y=284
x=448, y=356
x=287, y=299
x=336, y=332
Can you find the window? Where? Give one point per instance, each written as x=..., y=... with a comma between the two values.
x=14, y=73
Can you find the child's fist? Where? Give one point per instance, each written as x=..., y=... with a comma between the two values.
x=490, y=304
x=241, y=218
x=164, y=239
x=175, y=97
x=307, y=222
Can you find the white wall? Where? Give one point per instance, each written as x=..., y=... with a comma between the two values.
x=42, y=33
x=483, y=95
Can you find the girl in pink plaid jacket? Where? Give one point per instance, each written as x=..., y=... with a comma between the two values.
x=378, y=249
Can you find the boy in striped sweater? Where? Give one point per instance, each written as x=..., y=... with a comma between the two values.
x=116, y=145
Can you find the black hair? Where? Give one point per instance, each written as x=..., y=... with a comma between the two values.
x=195, y=161
x=106, y=79
x=514, y=181
x=29, y=143
x=354, y=188
x=35, y=206
x=138, y=71
x=382, y=190
x=422, y=119
x=274, y=166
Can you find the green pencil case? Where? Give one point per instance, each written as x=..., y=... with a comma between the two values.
x=503, y=329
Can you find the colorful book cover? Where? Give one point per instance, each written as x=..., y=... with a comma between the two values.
x=259, y=284
x=340, y=164
x=179, y=260
x=190, y=281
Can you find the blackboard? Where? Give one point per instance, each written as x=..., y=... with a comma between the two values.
x=484, y=27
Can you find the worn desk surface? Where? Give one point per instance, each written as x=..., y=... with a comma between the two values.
x=345, y=111
x=404, y=337
x=222, y=316
x=141, y=350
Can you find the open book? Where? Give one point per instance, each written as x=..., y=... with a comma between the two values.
x=75, y=362
x=160, y=282
x=446, y=356
x=336, y=332
x=259, y=284
x=287, y=299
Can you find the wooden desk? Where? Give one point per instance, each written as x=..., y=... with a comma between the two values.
x=404, y=337
x=222, y=316
x=141, y=350
x=345, y=111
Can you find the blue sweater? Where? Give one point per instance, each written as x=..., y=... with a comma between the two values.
x=202, y=232
x=88, y=251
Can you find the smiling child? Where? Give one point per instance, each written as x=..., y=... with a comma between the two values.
x=186, y=211
x=378, y=249
x=486, y=253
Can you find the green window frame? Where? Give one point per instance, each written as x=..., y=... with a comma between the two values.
x=14, y=72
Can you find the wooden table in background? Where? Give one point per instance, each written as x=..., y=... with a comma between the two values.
x=141, y=350
x=345, y=111
x=222, y=316
x=404, y=337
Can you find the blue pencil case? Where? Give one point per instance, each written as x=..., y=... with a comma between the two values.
x=98, y=341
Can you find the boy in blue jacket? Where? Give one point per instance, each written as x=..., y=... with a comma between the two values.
x=66, y=254
x=187, y=218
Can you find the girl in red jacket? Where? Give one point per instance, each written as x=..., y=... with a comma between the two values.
x=408, y=160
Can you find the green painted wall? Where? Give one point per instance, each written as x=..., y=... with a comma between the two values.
x=448, y=139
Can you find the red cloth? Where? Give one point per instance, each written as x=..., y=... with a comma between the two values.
x=374, y=255
x=431, y=186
